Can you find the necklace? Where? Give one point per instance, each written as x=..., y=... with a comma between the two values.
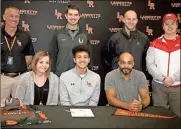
x=41, y=98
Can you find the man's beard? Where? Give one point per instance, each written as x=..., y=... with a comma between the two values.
x=126, y=71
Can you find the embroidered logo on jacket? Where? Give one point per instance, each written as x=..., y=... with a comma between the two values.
x=72, y=84
x=19, y=43
x=89, y=84
x=138, y=43
x=177, y=45
x=81, y=41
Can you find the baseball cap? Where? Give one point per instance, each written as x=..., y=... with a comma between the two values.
x=169, y=16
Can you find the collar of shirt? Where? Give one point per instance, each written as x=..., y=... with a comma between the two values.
x=122, y=75
x=132, y=33
x=72, y=33
x=7, y=35
x=78, y=74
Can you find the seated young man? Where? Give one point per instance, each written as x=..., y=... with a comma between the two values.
x=80, y=86
x=125, y=86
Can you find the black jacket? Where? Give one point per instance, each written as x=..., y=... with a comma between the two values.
x=137, y=44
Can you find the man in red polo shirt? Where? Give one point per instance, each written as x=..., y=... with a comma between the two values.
x=163, y=63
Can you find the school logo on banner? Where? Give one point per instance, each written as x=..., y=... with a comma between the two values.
x=28, y=12
x=25, y=26
x=95, y=68
x=149, y=31
x=151, y=5
x=150, y=17
x=94, y=42
x=176, y=5
x=33, y=40
x=114, y=29
x=58, y=14
x=90, y=15
x=89, y=29
x=55, y=27
x=90, y=3
x=27, y=1
x=120, y=3
x=60, y=1
x=119, y=17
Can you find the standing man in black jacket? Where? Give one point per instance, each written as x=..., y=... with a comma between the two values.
x=128, y=39
x=65, y=39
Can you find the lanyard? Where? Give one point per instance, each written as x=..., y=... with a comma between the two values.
x=10, y=48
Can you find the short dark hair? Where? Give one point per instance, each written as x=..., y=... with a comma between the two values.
x=74, y=7
x=80, y=48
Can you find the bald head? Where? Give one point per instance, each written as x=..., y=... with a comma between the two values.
x=126, y=55
x=130, y=21
x=126, y=63
x=130, y=13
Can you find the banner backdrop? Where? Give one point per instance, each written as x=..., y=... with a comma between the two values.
x=101, y=19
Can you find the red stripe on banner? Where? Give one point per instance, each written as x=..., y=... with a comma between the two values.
x=121, y=112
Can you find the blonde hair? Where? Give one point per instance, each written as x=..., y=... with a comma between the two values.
x=6, y=10
x=38, y=56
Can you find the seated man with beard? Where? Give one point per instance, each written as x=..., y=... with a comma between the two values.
x=126, y=87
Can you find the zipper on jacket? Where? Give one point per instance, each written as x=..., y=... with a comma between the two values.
x=81, y=87
x=168, y=64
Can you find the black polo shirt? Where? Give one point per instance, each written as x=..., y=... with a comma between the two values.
x=22, y=47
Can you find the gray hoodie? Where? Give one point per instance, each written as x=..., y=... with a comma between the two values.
x=79, y=91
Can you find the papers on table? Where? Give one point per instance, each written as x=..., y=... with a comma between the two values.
x=81, y=113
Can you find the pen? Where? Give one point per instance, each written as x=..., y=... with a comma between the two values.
x=67, y=110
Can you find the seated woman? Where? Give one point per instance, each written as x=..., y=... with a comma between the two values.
x=39, y=86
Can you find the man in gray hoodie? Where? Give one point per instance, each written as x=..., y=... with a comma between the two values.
x=65, y=39
x=80, y=86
